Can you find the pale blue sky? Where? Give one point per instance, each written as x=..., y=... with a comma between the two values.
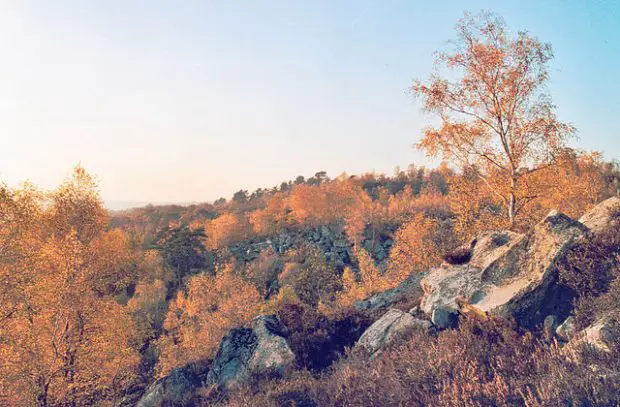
x=190, y=101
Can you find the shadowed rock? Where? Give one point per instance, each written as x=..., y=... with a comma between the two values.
x=176, y=389
x=460, y=255
x=247, y=353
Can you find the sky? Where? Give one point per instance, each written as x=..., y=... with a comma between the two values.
x=178, y=101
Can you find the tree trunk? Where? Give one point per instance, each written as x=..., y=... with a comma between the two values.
x=512, y=202
x=42, y=396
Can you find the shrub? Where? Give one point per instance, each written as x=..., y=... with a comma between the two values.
x=318, y=280
x=480, y=364
x=318, y=340
x=591, y=269
x=199, y=319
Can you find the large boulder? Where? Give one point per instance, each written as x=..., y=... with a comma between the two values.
x=245, y=353
x=600, y=217
x=395, y=324
x=408, y=291
x=601, y=335
x=509, y=274
x=176, y=389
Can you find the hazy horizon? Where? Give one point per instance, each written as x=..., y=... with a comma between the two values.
x=189, y=102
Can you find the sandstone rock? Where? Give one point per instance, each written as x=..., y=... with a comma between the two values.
x=601, y=334
x=395, y=324
x=246, y=353
x=415, y=311
x=409, y=290
x=509, y=274
x=599, y=217
x=175, y=389
x=567, y=329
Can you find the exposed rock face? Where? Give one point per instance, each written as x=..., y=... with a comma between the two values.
x=599, y=218
x=509, y=274
x=601, y=334
x=567, y=330
x=245, y=353
x=443, y=318
x=176, y=389
x=409, y=290
x=395, y=324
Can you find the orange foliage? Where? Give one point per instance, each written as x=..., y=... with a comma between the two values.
x=572, y=186
x=418, y=245
x=325, y=203
x=226, y=229
x=271, y=219
x=496, y=116
x=197, y=320
x=64, y=340
x=370, y=281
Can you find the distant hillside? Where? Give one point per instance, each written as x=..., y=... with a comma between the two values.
x=119, y=205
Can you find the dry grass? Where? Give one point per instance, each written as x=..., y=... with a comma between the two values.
x=485, y=364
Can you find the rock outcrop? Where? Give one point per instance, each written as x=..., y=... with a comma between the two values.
x=245, y=353
x=600, y=335
x=176, y=389
x=408, y=291
x=599, y=217
x=395, y=324
x=509, y=274
x=566, y=330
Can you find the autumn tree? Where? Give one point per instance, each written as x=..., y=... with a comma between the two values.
x=573, y=185
x=368, y=281
x=226, y=229
x=495, y=114
x=182, y=250
x=64, y=339
x=76, y=205
x=199, y=318
x=271, y=219
x=418, y=245
x=318, y=280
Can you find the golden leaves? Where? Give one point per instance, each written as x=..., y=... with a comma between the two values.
x=198, y=320
x=64, y=340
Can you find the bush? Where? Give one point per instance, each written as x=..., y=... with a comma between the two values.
x=318, y=340
x=318, y=280
x=480, y=364
x=591, y=270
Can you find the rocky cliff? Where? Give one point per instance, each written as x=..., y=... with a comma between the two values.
x=506, y=275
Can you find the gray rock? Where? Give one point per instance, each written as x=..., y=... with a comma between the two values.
x=414, y=311
x=395, y=324
x=600, y=217
x=509, y=274
x=175, y=389
x=246, y=353
x=443, y=318
x=600, y=335
x=409, y=290
x=341, y=243
x=567, y=330
x=326, y=233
